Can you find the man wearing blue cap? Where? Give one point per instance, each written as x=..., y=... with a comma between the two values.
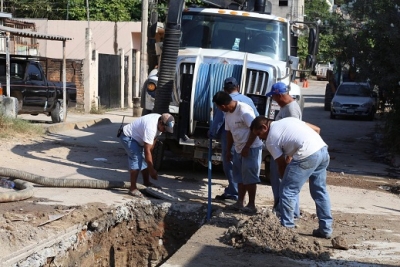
x=288, y=108
x=217, y=130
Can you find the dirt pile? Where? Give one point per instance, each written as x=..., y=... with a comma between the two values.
x=263, y=233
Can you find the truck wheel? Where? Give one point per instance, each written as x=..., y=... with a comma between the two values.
x=57, y=114
x=158, y=155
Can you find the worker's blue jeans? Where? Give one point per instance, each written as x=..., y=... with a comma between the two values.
x=313, y=169
x=275, y=185
x=232, y=189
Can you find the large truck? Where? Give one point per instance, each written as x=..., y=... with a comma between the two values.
x=204, y=46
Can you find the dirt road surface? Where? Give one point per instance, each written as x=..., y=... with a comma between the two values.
x=364, y=195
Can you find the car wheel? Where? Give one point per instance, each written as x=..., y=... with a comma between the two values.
x=57, y=114
x=332, y=116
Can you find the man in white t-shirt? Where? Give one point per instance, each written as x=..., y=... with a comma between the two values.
x=301, y=155
x=138, y=139
x=288, y=108
x=247, y=153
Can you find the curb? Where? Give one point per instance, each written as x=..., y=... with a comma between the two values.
x=65, y=126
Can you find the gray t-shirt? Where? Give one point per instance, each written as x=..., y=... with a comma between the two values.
x=290, y=110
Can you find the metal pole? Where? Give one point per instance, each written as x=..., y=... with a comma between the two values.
x=8, y=63
x=64, y=77
x=2, y=5
x=143, y=46
x=87, y=12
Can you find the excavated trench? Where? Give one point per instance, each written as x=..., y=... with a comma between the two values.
x=139, y=233
x=142, y=232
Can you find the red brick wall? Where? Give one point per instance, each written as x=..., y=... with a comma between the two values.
x=74, y=67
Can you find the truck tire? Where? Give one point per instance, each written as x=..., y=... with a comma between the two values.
x=158, y=155
x=57, y=114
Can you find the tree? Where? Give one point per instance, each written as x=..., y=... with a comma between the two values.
x=318, y=10
x=109, y=10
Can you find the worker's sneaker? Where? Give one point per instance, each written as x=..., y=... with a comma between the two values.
x=317, y=233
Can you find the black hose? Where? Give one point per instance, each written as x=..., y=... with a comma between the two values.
x=167, y=70
x=27, y=190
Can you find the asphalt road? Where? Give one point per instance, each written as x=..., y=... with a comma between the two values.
x=352, y=142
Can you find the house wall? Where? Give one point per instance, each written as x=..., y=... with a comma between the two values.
x=107, y=37
x=74, y=68
x=291, y=9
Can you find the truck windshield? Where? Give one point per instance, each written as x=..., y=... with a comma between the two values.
x=245, y=34
x=17, y=70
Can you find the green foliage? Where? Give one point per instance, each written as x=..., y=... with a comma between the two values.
x=108, y=10
x=317, y=10
x=369, y=32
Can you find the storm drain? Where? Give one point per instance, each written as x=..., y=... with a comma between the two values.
x=139, y=233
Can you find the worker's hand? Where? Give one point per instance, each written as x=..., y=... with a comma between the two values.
x=245, y=151
x=153, y=174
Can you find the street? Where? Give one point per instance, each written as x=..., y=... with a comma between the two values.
x=351, y=141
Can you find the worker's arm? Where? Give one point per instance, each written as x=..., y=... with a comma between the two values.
x=281, y=162
x=314, y=127
x=250, y=140
x=229, y=144
x=149, y=159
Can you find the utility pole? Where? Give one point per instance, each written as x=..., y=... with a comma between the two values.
x=143, y=58
x=143, y=46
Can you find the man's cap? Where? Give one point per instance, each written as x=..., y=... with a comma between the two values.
x=168, y=121
x=277, y=89
x=230, y=82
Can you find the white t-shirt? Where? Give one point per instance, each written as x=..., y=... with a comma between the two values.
x=238, y=123
x=143, y=129
x=293, y=137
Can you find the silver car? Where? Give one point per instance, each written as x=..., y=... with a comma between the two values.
x=355, y=100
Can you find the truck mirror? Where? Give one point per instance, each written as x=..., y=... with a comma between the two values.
x=312, y=35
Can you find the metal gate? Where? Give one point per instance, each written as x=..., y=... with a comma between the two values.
x=110, y=80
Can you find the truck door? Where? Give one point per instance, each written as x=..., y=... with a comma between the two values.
x=36, y=90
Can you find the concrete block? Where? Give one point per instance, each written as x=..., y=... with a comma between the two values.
x=8, y=106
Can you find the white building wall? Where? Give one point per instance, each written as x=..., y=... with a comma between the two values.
x=294, y=10
x=103, y=36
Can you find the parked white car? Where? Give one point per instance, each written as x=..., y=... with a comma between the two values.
x=354, y=99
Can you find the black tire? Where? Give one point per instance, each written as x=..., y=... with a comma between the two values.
x=158, y=155
x=332, y=116
x=57, y=114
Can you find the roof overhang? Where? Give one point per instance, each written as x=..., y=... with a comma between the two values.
x=37, y=35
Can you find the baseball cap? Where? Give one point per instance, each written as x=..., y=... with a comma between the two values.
x=277, y=89
x=168, y=121
x=230, y=82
